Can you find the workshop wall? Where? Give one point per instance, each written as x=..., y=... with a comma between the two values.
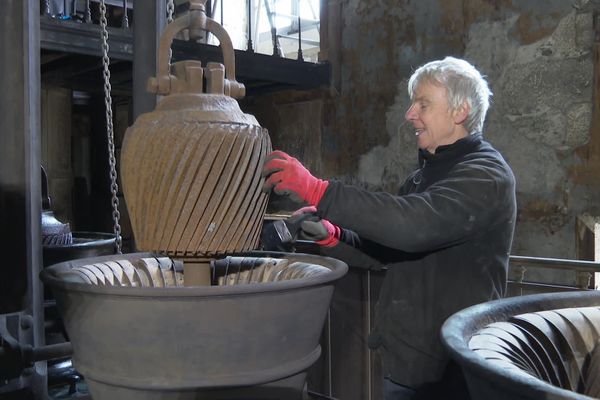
x=539, y=57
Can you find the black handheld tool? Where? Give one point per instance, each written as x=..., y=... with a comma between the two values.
x=281, y=234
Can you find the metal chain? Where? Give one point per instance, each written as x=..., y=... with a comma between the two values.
x=170, y=10
x=88, y=12
x=124, y=19
x=114, y=188
x=46, y=8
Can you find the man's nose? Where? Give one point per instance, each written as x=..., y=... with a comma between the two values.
x=411, y=113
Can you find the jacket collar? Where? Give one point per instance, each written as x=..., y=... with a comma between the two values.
x=449, y=152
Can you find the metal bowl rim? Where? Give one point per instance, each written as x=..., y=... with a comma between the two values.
x=466, y=322
x=338, y=269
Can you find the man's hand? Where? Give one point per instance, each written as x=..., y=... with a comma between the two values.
x=287, y=176
x=321, y=231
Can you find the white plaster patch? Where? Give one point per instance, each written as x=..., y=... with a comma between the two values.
x=385, y=167
x=579, y=119
x=489, y=46
x=371, y=166
x=570, y=39
x=542, y=90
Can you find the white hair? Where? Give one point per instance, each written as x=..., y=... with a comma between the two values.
x=463, y=83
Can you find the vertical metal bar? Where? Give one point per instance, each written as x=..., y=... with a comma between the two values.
x=520, y=277
x=368, y=331
x=146, y=37
x=329, y=370
x=256, y=11
x=124, y=19
x=20, y=173
x=249, y=46
x=221, y=12
x=272, y=21
x=300, y=57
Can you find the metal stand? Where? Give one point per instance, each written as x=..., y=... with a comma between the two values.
x=21, y=292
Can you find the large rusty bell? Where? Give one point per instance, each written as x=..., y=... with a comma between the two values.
x=191, y=168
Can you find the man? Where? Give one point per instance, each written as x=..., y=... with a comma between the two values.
x=445, y=237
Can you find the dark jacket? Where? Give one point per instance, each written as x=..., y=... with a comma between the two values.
x=445, y=239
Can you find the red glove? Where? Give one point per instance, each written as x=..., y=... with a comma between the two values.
x=321, y=231
x=287, y=176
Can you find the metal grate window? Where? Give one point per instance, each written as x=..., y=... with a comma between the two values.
x=292, y=26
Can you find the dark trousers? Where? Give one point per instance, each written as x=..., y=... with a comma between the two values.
x=452, y=386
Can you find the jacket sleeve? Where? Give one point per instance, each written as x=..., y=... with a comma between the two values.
x=474, y=195
x=362, y=253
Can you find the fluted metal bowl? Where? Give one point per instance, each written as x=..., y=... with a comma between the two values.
x=252, y=340
x=490, y=375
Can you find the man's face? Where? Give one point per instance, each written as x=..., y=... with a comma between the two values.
x=435, y=124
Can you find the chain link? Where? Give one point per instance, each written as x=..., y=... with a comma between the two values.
x=170, y=10
x=114, y=188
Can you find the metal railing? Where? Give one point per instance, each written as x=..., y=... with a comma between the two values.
x=282, y=28
x=521, y=267
x=81, y=10
x=288, y=31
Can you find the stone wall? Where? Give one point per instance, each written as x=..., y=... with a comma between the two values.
x=540, y=61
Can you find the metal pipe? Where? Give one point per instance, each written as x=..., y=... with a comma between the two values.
x=24, y=355
x=249, y=47
x=51, y=351
x=556, y=263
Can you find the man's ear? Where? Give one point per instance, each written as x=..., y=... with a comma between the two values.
x=461, y=113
